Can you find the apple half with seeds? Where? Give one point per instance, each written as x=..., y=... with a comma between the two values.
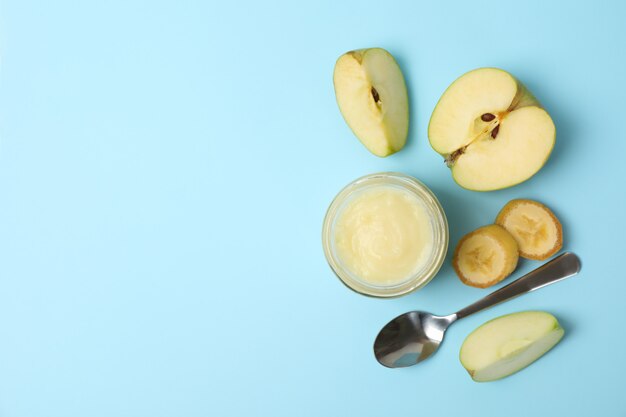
x=372, y=97
x=508, y=344
x=491, y=131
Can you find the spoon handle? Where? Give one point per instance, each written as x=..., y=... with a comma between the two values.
x=561, y=267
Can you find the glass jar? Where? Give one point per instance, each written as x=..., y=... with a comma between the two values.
x=433, y=210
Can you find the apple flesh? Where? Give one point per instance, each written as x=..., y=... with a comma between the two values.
x=508, y=344
x=491, y=130
x=373, y=99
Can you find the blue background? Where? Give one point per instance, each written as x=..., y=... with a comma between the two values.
x=165, y=168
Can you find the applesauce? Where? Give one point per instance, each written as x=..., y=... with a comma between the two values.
x=385, y=235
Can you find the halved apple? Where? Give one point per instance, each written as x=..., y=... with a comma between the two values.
x=508, y=344
x=373, y=99
x=491, y=131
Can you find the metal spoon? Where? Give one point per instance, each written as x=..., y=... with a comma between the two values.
x=414, y=336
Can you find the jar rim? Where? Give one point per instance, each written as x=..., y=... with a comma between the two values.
x=438, y=220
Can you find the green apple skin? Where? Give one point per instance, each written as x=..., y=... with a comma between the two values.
x=372, y=96
x=522, y=98
x=508, y=344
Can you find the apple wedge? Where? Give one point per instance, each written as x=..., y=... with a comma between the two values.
x=490, y=130
x=508, y=344
x=373, y=99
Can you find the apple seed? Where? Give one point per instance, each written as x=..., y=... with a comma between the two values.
x=487, y=117
x=494, y=132
x=375, y=95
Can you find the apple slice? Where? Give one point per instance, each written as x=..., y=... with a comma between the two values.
x=508, y=344
x=491, y=131
x=373, y=99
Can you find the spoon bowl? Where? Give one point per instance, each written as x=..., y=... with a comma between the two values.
x=414, y=336
x=410, y=338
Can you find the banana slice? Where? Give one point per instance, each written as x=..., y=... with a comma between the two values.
x=485, y=256
x=536, y=229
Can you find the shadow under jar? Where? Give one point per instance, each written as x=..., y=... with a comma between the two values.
x=385, y=235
